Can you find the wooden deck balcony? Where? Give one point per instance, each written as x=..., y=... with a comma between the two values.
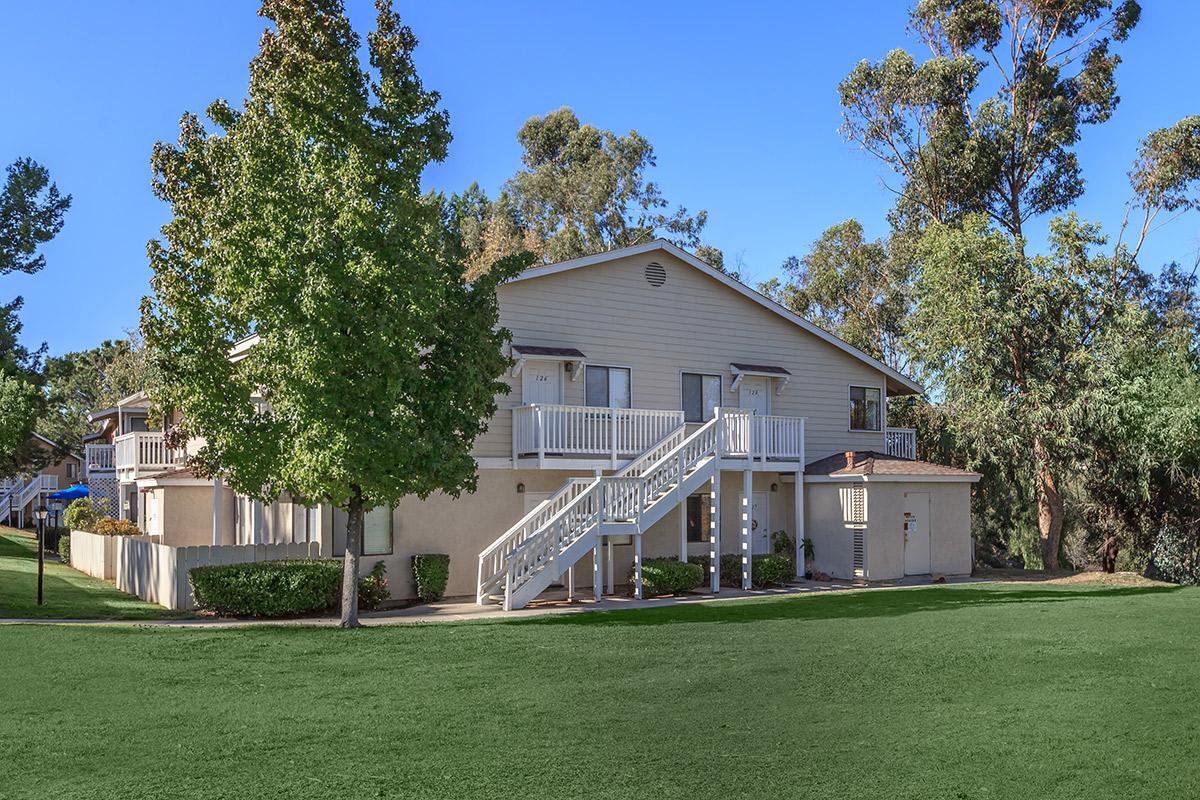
x=98, y=458
x=138, y=455
x=555, y=436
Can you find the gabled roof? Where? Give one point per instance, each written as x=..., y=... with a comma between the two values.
x=908, y=384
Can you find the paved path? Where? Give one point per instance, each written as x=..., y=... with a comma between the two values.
x=464, y=610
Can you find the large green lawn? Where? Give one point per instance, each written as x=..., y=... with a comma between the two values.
x=940, y=692
x=67, y=593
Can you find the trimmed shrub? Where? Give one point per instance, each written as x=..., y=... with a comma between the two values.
x=51, y=537
x=81, y=515
x=771, y=569
x=107, y=526
x=267, y=588
x=764, y=569
x=373, y=590
x=64, y=547
x=430, y=573
x=669, y=576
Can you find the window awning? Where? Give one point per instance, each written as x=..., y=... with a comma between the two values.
x=537, y=352
x=759, y=370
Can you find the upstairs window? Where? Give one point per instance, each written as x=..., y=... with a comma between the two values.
x=701, y=394
x=866, y=408
x=607, y=387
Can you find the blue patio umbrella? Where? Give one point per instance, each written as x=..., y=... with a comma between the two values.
x=70, y=493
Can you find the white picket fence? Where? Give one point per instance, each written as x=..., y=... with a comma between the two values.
x=158, y=573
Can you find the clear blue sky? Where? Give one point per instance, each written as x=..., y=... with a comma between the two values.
x=739, y=101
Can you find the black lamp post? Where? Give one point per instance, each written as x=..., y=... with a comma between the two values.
x=41, y=513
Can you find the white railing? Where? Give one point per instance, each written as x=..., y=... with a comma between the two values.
x=559, y=430
x=901, y=442
x=761, y=436
x=98, y=457
x=492, y=559
x=144, y=451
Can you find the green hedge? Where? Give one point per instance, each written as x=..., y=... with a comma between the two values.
x=64, y=547
x=81, y=514
x=280, y=588
x=764, y=569
x=430, y=573
x=669, y=576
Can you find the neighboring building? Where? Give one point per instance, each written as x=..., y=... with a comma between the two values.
x=658, y=407
x=126, y=446
x=20, y=495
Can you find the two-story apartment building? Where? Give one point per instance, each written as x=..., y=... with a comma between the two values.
x=657, y=407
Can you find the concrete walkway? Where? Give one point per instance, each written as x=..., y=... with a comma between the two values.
x=549, y=603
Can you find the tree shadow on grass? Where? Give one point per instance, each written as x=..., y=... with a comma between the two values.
x=837, y=605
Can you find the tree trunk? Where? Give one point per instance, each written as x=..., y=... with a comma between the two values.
x=1109, y=557
x=1050, y=517
x=354, y=533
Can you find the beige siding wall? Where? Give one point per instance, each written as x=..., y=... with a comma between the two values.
x=692, y=323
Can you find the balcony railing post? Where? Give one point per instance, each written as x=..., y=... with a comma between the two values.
x=612, y=412
x=540, y=432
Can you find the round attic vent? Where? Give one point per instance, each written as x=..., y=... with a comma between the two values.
x=656, y=274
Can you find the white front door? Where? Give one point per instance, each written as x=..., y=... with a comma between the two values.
x=760, y=527
x=541, y=382
x=916, y=533
x=753, y=395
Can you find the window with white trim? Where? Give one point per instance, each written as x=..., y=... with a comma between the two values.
x=866, y=408
x=377, y=531
x=607, y=387
x=701, y=395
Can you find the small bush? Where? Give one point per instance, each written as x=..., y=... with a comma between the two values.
x=51, y=537
x=107, y=526
x=764, y=569
x=373, y=590
x=430, y=573
x=783, y=543
x=669, y=576
x=81, y=514
x=1174, y=557
x=64, y=547
x=772, y=569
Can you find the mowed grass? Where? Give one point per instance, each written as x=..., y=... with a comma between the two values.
x=67, y=593
x=966, y=691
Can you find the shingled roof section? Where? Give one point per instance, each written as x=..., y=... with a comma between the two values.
x=870, y=462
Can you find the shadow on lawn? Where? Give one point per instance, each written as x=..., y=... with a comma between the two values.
x=833, y=605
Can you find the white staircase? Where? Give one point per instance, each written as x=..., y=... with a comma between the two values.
x=16, y=495
x=543, y=545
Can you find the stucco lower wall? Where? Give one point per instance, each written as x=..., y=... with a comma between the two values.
x=951, y=549
x=183, y=515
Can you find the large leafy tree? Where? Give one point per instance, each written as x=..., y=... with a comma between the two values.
x=84, y=381
x=300, y=219
x=982, y=135
x=853, y=287
x=31, y=214
x=581, y=190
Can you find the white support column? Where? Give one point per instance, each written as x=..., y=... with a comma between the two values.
x=747, y=521
x=571, y=583
x=612, y=589
x=799, y=511
x=637, y=566
x=216, y=514
x=714, y=534
x=683, y=530
x=597, y=578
